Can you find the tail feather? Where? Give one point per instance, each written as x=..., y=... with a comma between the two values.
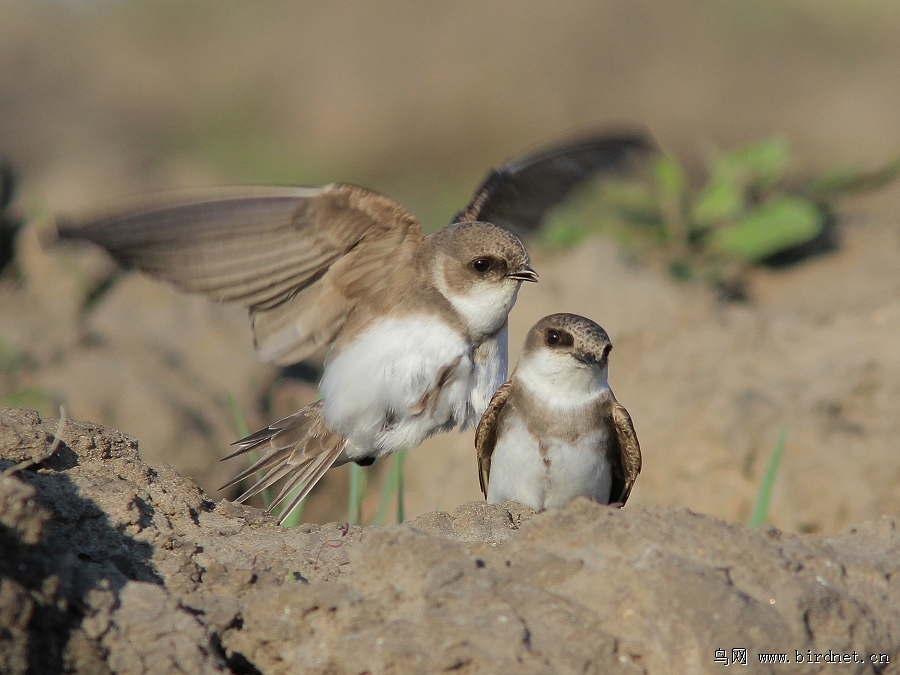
x=300, y=447
x=272, y=476
x=311, y=473
x=272, y=459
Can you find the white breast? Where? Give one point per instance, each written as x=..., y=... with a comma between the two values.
x=520, y=473
x=491, y=362
x=372, y=389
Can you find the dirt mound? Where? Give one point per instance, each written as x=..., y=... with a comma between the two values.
x=111, y=565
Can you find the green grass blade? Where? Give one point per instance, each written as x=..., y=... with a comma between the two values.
x=398, y=465
x=387, y=492
x=393, y=485
x=764, y=495
x=296, y=516
x=357, y=493
x=240, y=424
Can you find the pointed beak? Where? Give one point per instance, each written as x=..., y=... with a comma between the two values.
x=587, y=358
x=524, y=274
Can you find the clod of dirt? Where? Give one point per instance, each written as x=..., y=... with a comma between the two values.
x=110, y=565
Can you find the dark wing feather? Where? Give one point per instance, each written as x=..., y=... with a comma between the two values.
x=518, y=195
x=629, y=455
x=486, y=435
x=263, y=247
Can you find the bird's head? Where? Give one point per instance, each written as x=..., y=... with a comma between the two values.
x=567, y=352
x=479, y=268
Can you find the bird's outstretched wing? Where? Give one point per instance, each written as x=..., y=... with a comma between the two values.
x=518, y=195
x=299, y=258
x=627, y=465
x=486, y=435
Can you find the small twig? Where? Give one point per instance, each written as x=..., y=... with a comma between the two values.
x=43, y=457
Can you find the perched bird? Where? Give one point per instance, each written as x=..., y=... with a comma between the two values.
x=555, y=431
x=415, y=327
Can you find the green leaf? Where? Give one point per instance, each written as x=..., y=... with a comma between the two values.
x=630, y=203
x=563, y=234
x=777, y=225
x=758, y=165
x=681, y=270
x=718, y=200
x=836, y=183
x=764, y=495
x=670, y=178
x=673, y=194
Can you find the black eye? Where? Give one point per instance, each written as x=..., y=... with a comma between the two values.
x=553, y=337
x=482, y=265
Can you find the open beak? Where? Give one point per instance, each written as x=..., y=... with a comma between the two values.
x=524, y=274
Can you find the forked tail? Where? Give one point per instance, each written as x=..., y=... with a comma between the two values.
x=299, y=446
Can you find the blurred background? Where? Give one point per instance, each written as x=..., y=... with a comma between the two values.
x=101, y=100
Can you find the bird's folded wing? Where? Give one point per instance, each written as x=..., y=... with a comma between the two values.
x=518, y=195
x=630, y=453
x=282, y=252
x=486, y=435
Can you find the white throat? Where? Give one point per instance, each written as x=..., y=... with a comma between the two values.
x=485, y=307
x=559, y=381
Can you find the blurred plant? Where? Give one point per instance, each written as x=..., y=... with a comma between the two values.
x=356, y=493
x=749, y=211
x=9, y=222
x=764, y=495
x=27, y=397
x=15, y=366
x=12, y=360
x=393, y=484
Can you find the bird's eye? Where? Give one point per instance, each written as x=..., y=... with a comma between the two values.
x=482, y=265
x=553, y=337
